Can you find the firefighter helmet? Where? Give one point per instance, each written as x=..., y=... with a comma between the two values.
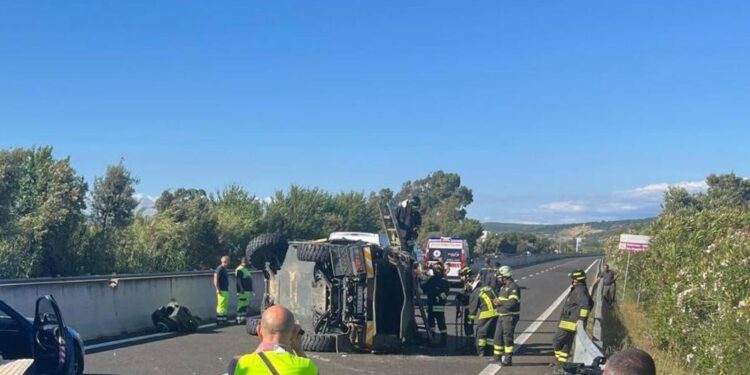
x=578, y=275
x=415, y=201
x=465, y=271
x=505, y=271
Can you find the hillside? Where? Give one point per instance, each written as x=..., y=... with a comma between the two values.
x=592, y=230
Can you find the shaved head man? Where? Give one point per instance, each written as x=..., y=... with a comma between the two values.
x=280, y=349
x=630, y=362
x=277, y=327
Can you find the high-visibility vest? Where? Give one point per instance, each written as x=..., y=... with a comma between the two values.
x=486, y=307
x=284, y=362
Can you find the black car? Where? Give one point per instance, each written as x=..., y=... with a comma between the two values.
x=44, y=345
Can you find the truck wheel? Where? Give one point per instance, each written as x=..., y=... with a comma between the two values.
x=319, y=343
x=267, y=247
x=252, y=327
x=315, y=252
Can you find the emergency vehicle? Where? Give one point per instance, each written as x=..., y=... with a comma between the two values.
x=452, y=250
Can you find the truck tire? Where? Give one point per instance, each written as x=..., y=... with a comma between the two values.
x=267, y=247
x=315, y=252
x=319, y=343
x=252, y=326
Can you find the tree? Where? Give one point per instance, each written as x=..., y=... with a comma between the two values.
x=112, y=200
x=184, y=230
x=239, y=218
x=352, y=212
x=444, y=202
x=45, y=199
x=300, y=213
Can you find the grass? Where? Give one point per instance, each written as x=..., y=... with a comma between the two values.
x=628, y=327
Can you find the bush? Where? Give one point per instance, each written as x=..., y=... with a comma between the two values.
x=695, y=285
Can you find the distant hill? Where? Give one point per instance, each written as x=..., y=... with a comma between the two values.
x=595, y=230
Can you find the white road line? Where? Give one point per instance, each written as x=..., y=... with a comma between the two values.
x=145, y=337
x=523, y=278
x=492, y=368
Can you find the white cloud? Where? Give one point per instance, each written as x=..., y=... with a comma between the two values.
x=658, y=189
x=146, y=203
x=563, y=207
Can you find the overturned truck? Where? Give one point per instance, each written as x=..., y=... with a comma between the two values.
x=347, y=295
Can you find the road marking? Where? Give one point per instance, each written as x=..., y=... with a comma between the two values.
x=145, y=337
x=492, y=368
x=523, y=278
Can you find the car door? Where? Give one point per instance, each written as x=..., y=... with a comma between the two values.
x=15, y=337
x=52, y=345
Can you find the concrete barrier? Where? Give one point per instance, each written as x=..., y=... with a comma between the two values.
x=523, y=261
x=107, y=306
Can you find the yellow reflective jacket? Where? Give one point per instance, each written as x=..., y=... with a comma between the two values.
x=284, y=362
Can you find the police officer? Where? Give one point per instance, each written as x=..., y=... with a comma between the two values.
x=244, y=290
x=482, y=307
x=508, y=304
x=437, y=288
x=578, y=303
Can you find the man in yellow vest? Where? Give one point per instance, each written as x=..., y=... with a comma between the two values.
x=244, y=290
x=280, y=349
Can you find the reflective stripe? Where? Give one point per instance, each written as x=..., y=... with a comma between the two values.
x=510, y=313
x=490, y=313
x=584, y=313
x=508, y=349
x=443, y=296
x=368, y=262
x=513, y=296
x=481, y=342
x=568, y=326
x=438, y=308
x=471, y=317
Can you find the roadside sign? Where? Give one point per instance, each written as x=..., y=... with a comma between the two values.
x=634, y=242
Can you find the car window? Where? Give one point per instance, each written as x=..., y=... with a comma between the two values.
x=46, y=313
x=7, y=322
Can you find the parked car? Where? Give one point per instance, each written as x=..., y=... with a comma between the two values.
x=44, y=344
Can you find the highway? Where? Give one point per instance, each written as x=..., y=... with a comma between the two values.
x=208, y=351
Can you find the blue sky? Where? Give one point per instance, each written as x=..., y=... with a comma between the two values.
x=551, y=111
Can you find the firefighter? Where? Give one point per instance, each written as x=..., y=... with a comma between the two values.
x=483, y=309
x=244, y=290
x=488, y=274
x=508, y=304
x=577, y=305
x=463, y=298
x=437, y=288
x=409, y=220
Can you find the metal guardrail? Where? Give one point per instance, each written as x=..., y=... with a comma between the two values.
x=588, y=348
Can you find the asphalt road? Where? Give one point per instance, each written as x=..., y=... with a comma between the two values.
x=208, y=351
